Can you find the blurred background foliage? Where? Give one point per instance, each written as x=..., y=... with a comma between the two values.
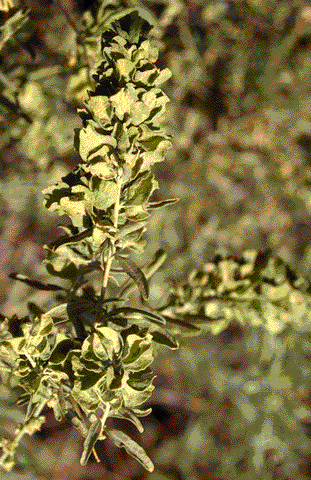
x=240, y=117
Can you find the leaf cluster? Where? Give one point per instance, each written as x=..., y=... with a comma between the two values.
x=259, y=296
x=88, y=358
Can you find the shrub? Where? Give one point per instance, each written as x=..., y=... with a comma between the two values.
x=88, y=357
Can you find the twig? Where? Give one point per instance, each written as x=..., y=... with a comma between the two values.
x=112, y=248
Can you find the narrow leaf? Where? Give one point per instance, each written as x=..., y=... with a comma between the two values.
x=92, y=437
x=198, y=318
x=140, y=412
x=70, y=239
x=120, y=439
x=158, y=260
x=182, y=323
x=136, y=274
x=164, y=338
x=152, y=316
x=149, y=270
x=128, y=414
x=34, y=309
x=35, y=283
x=78, y=423
x=162, y=203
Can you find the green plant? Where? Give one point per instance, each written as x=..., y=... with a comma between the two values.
x=261, y=309
x=89, y=357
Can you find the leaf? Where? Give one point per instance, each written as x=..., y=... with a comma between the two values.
x=164, y=338
x=152, y=316
x=120, y=439
x=162, y=203
x=138, y=353
x=198, y=318
x=80, y=426
x=92, y=142
x=71, y=239
x=23, y=399
x=127, y=414
x=107, y=342
x=61, y=350
x=129, y=228
x=140, y=412
x=92, y=437
x=140, y=384
x=12, y=25
x=106, y=194
x=59, y=312
x=35, y=283
x=140, y=191
x=136, y=274
x=182, y=323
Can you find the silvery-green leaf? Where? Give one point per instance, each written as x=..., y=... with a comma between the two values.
x=58, y=414
x=46, y=324
x=101, y=108
x=140, y=384
x=162, y=203
x=92, y=437
x=107, y=339
x=88, y=399
x=136, y=274
x=130, y=228
x=114, y=378
x=142, y=412
x=140, y=191
x=127, y=414
x=163, y=77
x=92, y=142
x=138, y=354
x=120, y=439
x=59, y=312
x=80, y=425
x=106, y=194
x=124, y=68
